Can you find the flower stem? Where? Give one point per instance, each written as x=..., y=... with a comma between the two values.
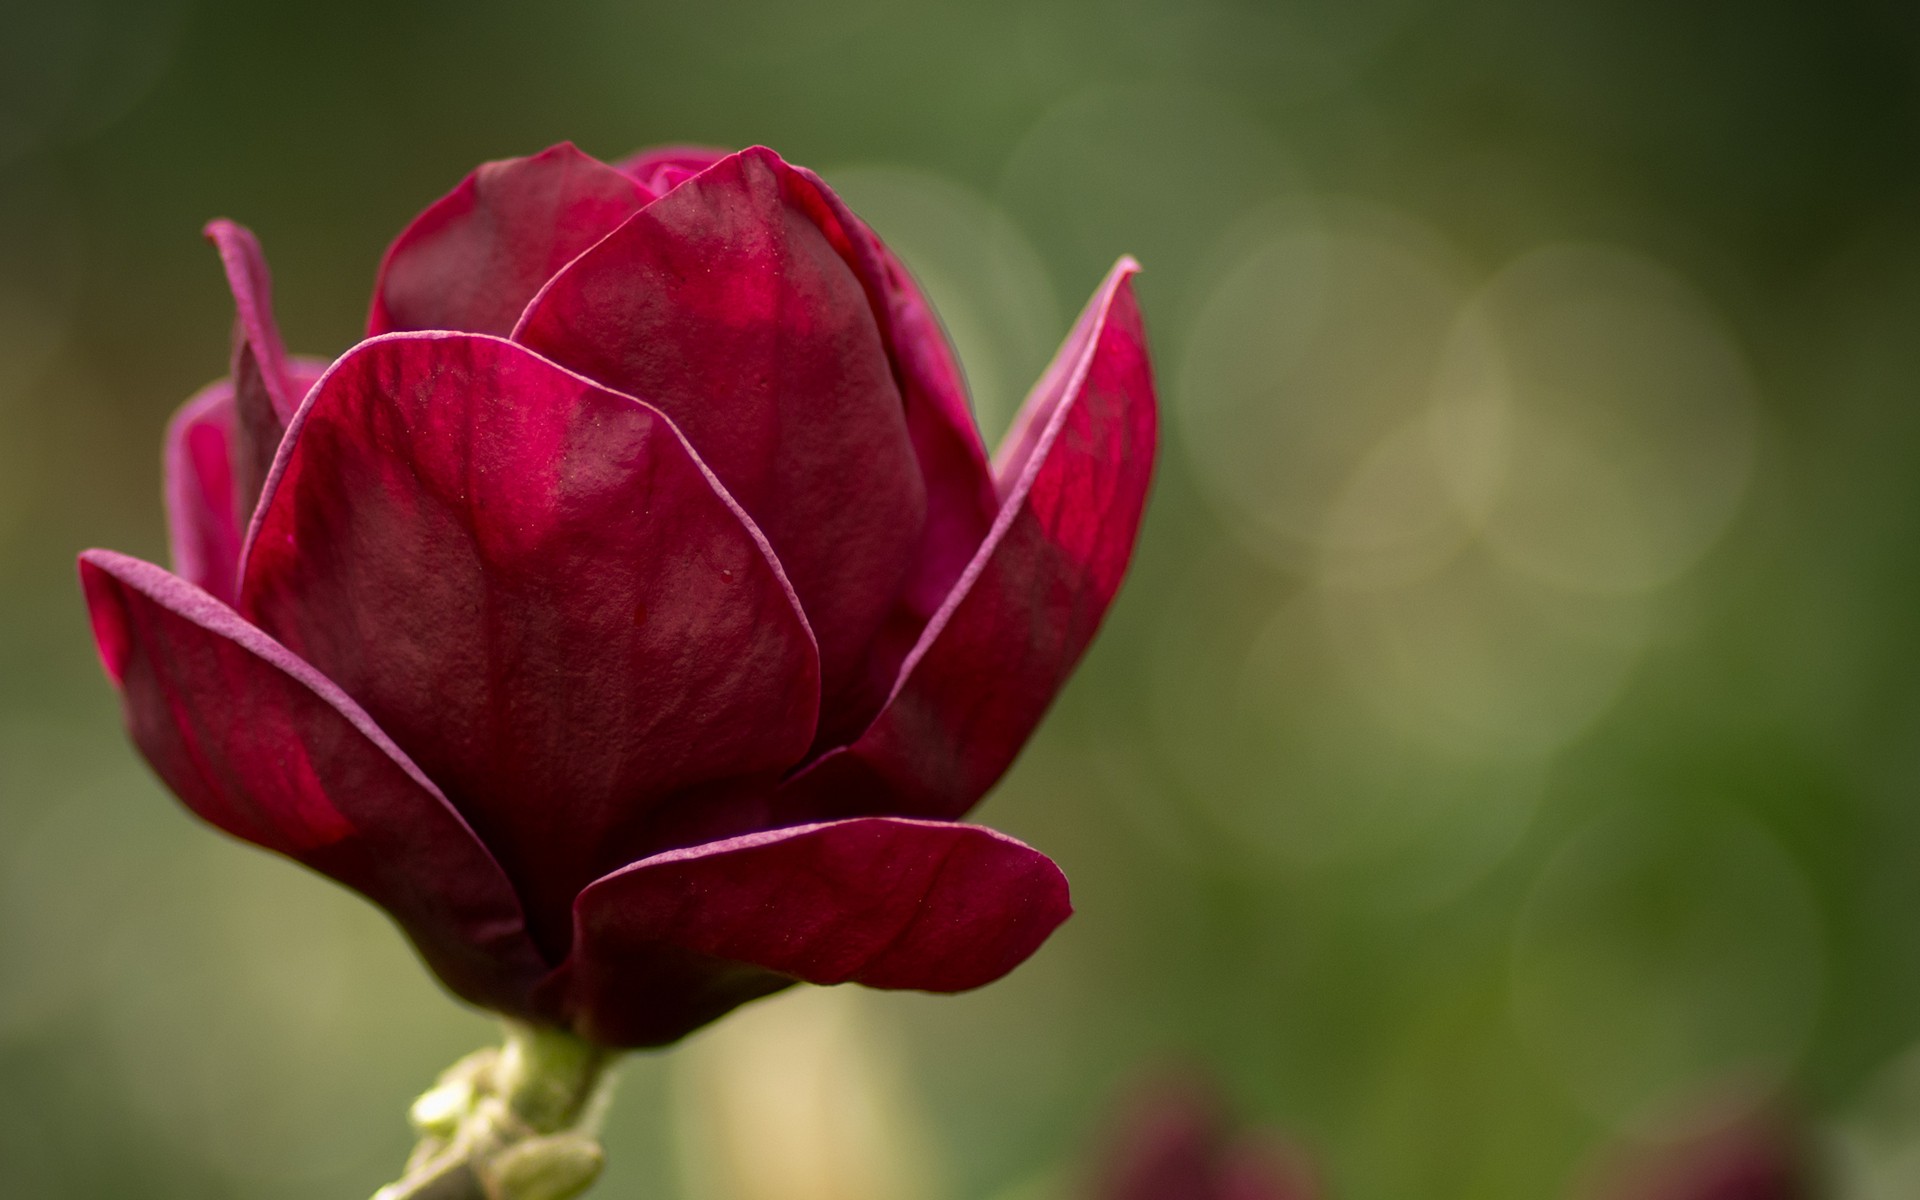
x=513, y=1122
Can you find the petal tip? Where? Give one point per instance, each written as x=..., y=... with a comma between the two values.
x=106, y=610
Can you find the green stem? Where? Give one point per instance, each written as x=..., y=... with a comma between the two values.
x=516, y=1122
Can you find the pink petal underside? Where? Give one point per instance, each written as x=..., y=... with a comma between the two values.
x=660, y=169
x=727, y=305
x=665, y=945
x=265, y=393
x=991, y=660
x=535, y=586
x=474, y=258
x=204, y=521
x=259, y=744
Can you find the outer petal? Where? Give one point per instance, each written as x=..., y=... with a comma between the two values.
x=473, y=260
x=265, y=394
x=258, y=743
x=204, y=519
x=535, y=586
x=960, y=494
x=729, y=304
x=660, y=169
x=960, y=498
x=667, y=944
x=990, y=661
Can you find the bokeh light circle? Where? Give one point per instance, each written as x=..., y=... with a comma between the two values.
x=1659, y=956
x=1633, y=418
x=1322, y=340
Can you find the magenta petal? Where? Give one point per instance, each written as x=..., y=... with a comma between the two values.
x=669, y=943
x=730, y=305
x=265, y=393
x=203, y=518
x=258, y=743
x=660, y=169
x=991, y=660
x=539, y=591
x=960, y=495
x=204, y=529
x=474, y=258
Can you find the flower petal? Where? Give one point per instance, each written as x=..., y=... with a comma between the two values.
x=991, y=660
x=660, y=169
x=205, y=523
x=667, y=944
x=535, y=586
x=474, y=258
x=265, y=394
x=258, y=743
x=729, y=303
x=960, y=495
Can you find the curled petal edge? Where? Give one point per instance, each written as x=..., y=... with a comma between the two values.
x=886, y=902
x=939, y=744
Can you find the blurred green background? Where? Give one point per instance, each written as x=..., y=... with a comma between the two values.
x=1507, y=747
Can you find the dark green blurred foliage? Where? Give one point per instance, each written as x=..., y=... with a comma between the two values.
x=1508, y=744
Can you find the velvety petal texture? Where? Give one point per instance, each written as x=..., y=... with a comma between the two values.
x=259, y=744
x=960, y=495
x=539, y=591
x=206, y=514
x=634, y=612
x=473, y=260
x=203, y=517
x=729, y=305
x=264, y=392
x=662, y=168
x=991, y=660
x=889, y=903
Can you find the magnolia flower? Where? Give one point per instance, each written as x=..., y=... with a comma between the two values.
x=1174, y=1141
x=1754, y=1157
x=635, y=612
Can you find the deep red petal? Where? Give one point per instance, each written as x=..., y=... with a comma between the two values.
x=660, y=169
x=205, y=523
x=474, y=258
x=961, y=501
x=667, y=944
x=265, y=393
x=991, y=660
x=258, y=743
x=960, y=495
x=539, y=590
x=729, y=303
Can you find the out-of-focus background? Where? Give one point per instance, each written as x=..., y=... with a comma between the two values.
x=1508, y=744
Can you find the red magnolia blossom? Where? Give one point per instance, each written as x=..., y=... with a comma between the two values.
x=1175, y=1142
x=1757, y=1157
x=635, y=612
